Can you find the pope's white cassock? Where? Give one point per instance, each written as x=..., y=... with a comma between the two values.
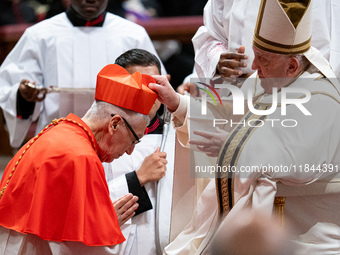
x=54, y=52
x=177, y=196
x=312, y=196
x=229, y=24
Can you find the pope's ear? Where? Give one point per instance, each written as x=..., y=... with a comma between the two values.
x=293, y=67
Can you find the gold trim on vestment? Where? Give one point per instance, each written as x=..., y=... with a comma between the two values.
x=323, y=78
x=260, y=17
x=326, y=94
x=279, y=212
x=229, y=156
x=232, y=149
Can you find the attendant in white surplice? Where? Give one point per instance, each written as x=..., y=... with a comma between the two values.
x=67, y=50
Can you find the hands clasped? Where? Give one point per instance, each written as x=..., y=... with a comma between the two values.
x=125, y=207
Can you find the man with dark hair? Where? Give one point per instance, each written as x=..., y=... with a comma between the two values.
x=138, y=57
x=67, y=51
x=150, y=175
x=16, y=12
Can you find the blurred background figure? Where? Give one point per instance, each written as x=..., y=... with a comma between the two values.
x=55, y=7
x=16, y=12
x=251, y=233
x=178, y=58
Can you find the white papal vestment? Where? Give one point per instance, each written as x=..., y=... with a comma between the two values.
x=314, y=141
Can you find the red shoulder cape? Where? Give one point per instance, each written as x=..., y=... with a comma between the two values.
x=58, y=190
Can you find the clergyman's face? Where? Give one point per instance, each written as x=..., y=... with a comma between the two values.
x=150, y=70
x=89, y=9
x=271, y=69
x=123, y=141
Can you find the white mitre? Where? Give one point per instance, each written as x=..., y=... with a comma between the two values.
x=284, y=27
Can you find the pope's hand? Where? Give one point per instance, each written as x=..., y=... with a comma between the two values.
x=153, y=168
x=229, y=62
x=125, y=207
x=31, y=93
x=166, y=94
x=212, y=142
x=188, y=87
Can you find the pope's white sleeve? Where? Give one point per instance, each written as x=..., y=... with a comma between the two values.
x=180, y=121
